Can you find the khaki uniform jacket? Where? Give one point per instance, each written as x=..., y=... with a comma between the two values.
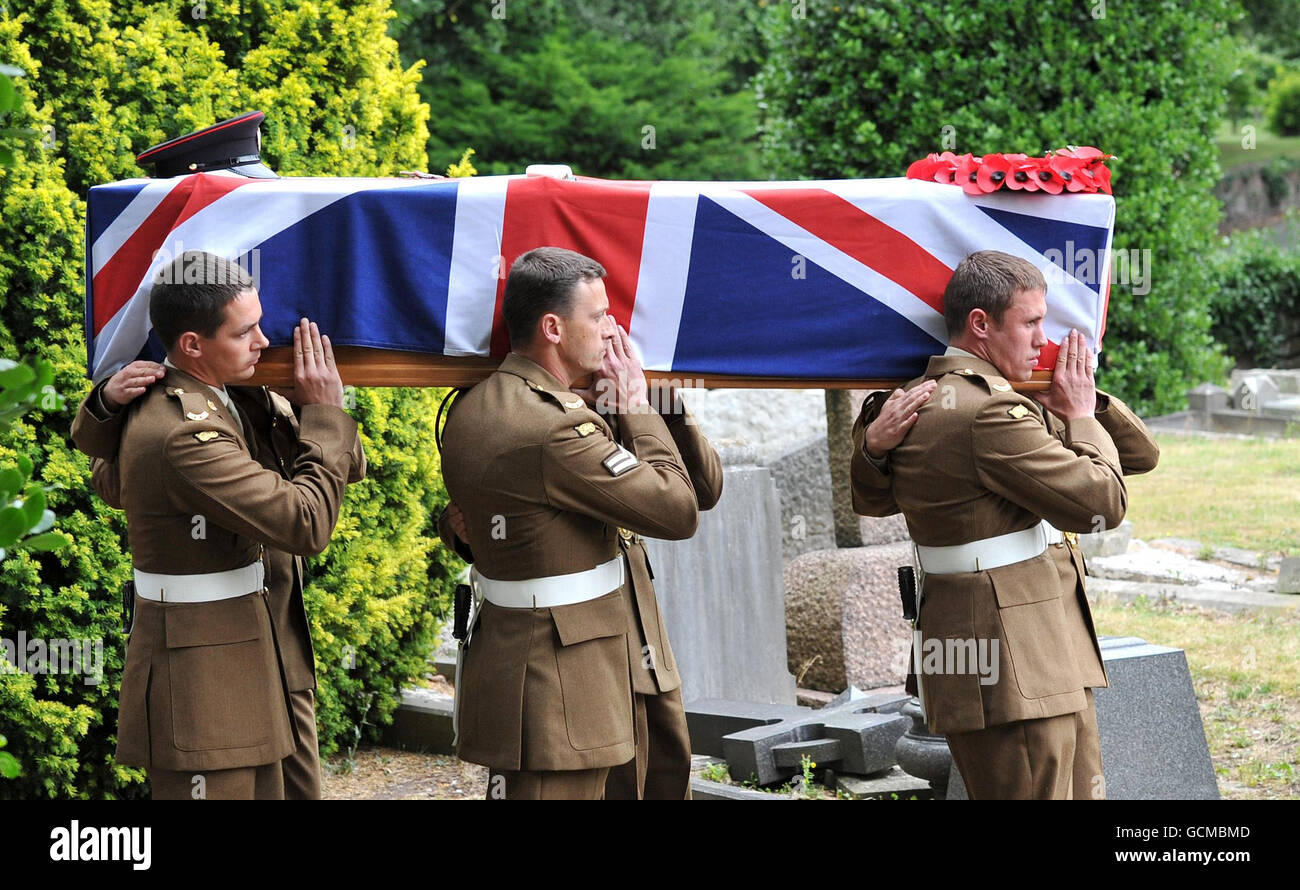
x=981, y=461
x=654, y=669
x=529, y=465
x=205, y=684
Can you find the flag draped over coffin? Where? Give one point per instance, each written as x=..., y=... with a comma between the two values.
x=817, y=280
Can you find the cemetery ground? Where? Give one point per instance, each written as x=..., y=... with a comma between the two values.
x=1245, y=666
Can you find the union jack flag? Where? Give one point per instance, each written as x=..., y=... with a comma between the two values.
x=816, y=280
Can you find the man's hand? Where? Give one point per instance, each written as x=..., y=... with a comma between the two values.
x=457, y=520
x=130, y=383
x=1073, y=393
x=315, y=377
x=896, y=417
x=621, y=376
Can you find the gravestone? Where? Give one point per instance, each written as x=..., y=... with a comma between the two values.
x=1288, y=575
x=803, y=482
x=844, y=623
x=1152, y=742
x=722, y=593
x=856, y=736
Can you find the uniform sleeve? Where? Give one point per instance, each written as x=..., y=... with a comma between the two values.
x=358, y=455
x=104, y=476
x=1138, y=452
x=451, y=540
x=1071, y=482
x=96, y=430
x=644, y=488
x=698, y=457
x=871, y=481
x=219, y=480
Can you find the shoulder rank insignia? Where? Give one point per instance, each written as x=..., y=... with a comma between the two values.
x=1001, y=387
x=212, y=406
x=585, y=429
x=965, y=372
x=1018, y=411
x=572, y=404
x=202, y=415
x=206, y=435
x=619, y=461
x=175, y=391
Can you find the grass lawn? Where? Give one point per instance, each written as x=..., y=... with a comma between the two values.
x=1267, y=146
x=1222, y=492
x=1245, y=667
x=1246, y=673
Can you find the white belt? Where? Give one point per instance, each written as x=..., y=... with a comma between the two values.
x=555, y=590
x=203, y=588
x=989, y=553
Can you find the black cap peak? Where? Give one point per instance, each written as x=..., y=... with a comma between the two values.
x=231, y=144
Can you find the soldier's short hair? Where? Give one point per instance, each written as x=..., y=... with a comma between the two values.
x=988, y=280
x=543, y=280
x=191, y=292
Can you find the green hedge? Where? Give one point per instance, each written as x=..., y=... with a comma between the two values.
x=1284, y=104
x=858, y=89
x=1258, y=284
x=104, y=80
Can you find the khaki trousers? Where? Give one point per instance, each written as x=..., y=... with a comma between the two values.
x=569, y=784
x=296, y=777
x=661, y=768
x=1052, y=758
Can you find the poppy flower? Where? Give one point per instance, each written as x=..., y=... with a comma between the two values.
x=1067, y=171
x=1076, y=169
x=924, y=168
x=966, y=173
x=1024, y=173
x=1048, y=179
x=945, y=171
x=992, y=173
x=1084, y=152
x=1099, y=175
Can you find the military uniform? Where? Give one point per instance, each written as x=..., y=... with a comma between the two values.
x=661, y=769
x=984, y=461
x=222, y=688
x=545, y=694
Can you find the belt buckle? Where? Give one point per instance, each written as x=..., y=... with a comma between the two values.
x=1071, y=537
x=627, y=535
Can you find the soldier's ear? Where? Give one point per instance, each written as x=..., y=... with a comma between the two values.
x=188, y=344
x=552, y=327
x=977, y=323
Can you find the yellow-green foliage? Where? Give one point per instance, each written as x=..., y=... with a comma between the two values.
x=104, y=81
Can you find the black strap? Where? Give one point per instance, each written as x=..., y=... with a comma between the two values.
x=444, y=407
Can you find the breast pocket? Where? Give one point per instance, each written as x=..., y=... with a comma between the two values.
x=224, y=676
x=1034, y=627
x=595, y=678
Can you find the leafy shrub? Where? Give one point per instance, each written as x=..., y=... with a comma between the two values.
x=1258, y=282
x=1284, y=104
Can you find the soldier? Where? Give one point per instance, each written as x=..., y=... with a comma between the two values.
x=545, y=487
x=225, y=488
x=985, y=479
x=661, y=768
